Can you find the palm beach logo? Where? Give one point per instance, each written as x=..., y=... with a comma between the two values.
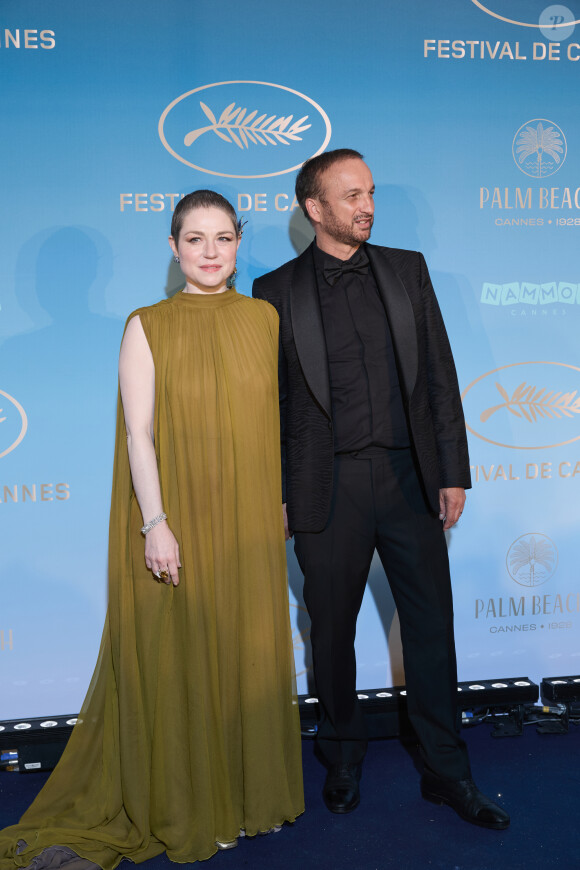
x=525, y=406
x=532, y=559
x=255, y=129
x=539, y=148
x=13, y=423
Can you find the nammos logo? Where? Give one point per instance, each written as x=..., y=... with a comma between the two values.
x=539, y=148
x=13, y=423
x=532, y=559
x=525, y=406
x=531, y=294
x=554, y=21
x=244, y=129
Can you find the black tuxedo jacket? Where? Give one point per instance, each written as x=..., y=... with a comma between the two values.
x=426, y=373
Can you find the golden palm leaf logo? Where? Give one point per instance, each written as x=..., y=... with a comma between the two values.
x=532, y=559
x=242, y=128
x=528, y=405
x=533, y=405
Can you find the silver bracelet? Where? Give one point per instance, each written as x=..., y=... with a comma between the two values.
x=148, y=526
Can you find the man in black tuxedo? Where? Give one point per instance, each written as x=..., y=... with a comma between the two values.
x=374, y=455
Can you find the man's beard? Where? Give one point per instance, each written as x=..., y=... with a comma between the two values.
x=347, y=234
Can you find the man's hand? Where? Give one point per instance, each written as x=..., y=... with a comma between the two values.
x=451, y=503
x=287, y=532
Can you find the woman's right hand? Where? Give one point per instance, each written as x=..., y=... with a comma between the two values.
x=162, y=552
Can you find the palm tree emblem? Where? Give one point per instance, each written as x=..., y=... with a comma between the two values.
x=532, y=559
x=539, y=148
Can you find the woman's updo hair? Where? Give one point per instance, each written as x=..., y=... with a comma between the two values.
x=201, y=199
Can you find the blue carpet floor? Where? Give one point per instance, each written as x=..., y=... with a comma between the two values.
x=535, y=777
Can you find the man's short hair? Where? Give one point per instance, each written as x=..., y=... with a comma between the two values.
x=309, y=179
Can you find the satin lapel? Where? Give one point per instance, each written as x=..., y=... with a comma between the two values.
x=400, y=315
x=308, y=329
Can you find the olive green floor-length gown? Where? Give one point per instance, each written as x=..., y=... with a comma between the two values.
x=189, y=731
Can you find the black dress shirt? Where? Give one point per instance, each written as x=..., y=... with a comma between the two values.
x=367, y=408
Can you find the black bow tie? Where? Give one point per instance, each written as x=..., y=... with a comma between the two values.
x=358, y=263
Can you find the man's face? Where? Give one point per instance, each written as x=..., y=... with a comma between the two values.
x=344, y=213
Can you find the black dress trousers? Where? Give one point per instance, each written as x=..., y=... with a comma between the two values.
x=378, y=504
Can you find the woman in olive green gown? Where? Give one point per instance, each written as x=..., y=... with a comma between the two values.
x=189, y=733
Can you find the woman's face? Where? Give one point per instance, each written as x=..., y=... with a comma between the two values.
x=207, y=248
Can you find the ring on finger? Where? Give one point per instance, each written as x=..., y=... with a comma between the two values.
x=163, y=575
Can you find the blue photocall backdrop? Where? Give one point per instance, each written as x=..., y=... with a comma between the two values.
x=467, y=115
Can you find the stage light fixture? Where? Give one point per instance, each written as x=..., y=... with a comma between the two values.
x=39, y=742
x=497, y=693
x=560, y=689
x=385, y=710
x=561, y=697
x=503, y=701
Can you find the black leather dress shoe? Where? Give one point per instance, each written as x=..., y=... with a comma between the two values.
x=466, y=799
x=341, y=791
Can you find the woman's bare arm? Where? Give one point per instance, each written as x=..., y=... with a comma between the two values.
x=137, y=381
